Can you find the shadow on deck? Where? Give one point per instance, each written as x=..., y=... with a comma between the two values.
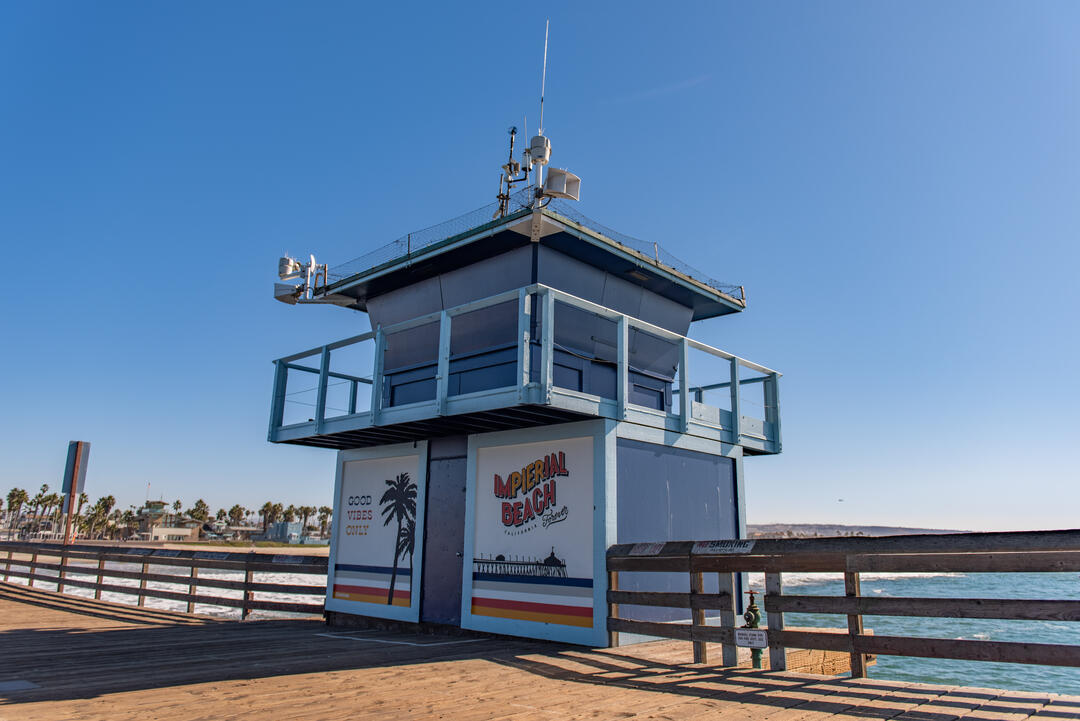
x=76, y=650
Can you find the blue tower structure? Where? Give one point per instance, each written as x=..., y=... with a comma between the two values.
x=526, y=397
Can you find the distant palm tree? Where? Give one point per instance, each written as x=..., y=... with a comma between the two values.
x=398, y=504
x=325, y=512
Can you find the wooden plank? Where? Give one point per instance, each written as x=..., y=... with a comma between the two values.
x=714, y=634
x=613, y=606
x=680, y=631
x=774, y=588
x=1027, y=562
x=1048, y=654
x=697, y=616
x=1014, y=609
x=180, y=596
x=672, y=564
x=181, y=580
x=729, y=652
x=855, y=625
x=668, y=599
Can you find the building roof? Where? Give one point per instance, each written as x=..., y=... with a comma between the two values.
x=474, y=236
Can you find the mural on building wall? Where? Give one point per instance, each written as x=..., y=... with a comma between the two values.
x=377, y=533
x=534, y=532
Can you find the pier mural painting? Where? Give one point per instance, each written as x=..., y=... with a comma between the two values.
x=377, y=531
x=534, y=532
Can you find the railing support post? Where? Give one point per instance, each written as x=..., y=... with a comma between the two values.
x=774, y=586
x=249, y=595
x=697, y=616
x=352, y=398
x=100, y=578
x=442, y=379
x=377, y=376
x=7, y=567
x=855, y=625
x=62, y=572
x=524, y=338
x=193, y=588
x=772, y=408
x=320, y=397
x=613, y=608
x=736, y=413
x=622, y=373
x=33, y=569
x=277, y=403
x=686, y=405
x=729, y=651
x=547, y=347
x=142, y=584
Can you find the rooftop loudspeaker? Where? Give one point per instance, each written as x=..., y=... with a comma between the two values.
x=562, y=184
x=286, y=293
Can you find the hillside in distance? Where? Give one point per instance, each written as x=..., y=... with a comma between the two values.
x=819, y=530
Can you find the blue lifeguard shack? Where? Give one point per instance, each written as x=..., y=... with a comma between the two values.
x=526, y=397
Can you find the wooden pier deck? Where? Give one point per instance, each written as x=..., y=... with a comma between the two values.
x=69, y=658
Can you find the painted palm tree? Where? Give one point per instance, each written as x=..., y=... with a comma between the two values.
x=407, y=541
x=398, y=503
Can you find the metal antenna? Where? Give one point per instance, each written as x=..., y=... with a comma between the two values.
x=543, y=77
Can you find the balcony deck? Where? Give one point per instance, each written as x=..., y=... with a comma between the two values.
x=529, y=380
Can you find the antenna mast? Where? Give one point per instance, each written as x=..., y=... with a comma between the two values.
x=543, y=77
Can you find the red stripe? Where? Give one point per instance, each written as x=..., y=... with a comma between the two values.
x=398, y=593
x=535, y=607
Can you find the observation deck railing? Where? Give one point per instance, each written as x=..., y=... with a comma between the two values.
x=1013, y=552
x=712, y=407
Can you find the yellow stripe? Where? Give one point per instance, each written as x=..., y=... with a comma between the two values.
x=517, y=615
x=365, y=598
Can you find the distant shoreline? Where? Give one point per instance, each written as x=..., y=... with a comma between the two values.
x=814, y=530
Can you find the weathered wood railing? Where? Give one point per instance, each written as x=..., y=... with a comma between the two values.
x=56, y=564
x=1027, y=552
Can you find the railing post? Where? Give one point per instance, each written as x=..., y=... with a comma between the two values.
x=352, y=397
x=320, y=397
x=62, y=572
x=729, y=651
x=377, y=376
x=686, y=405
x=774, y=586
x=524, y=339
x=142, y=584
x=613, y=608
x=697, y=616
x=7, y=567
x=249, y=595
x=193, y=588
x=622, y=372
x=100, y=577
x=277, y=402
x=736, y=413
x=855, y=625
x=772, y=407
x=547, y=348
x=442, y=379
x=33, y=569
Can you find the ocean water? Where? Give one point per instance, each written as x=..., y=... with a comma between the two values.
x=1022, y=677
x=1045, y=586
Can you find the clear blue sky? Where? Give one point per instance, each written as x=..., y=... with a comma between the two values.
x=896, y=184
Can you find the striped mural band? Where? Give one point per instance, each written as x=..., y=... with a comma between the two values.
x=564, y=601
x=371, y=584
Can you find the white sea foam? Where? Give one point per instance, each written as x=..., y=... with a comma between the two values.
x=757, y=580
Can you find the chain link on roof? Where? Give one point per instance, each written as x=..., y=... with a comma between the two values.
x=520, y=200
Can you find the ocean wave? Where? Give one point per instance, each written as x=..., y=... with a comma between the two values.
x=757, y=580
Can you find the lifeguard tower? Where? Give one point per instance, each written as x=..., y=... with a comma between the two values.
x=526, y=397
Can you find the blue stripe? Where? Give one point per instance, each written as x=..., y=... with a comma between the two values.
x=388, y=570
x=536, y=580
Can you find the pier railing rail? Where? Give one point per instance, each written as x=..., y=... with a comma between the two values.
x=98, y=567
x=1013, y=552
x=708, y=392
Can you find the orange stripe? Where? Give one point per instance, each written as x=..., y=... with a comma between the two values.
x=533, y=607
x=518, y=615
x=364, y=598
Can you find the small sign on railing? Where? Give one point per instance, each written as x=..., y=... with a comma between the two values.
x=751, y=638
x=646, y=549
x=729, y=546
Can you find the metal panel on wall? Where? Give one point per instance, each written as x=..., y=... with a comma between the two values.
x=444, y=532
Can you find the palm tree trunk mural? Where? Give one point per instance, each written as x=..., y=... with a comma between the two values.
x=398, y=504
